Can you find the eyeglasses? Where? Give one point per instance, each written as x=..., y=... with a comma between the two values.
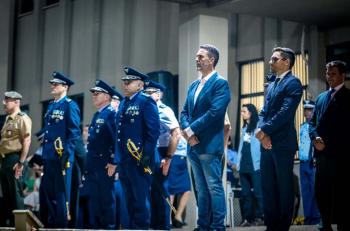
x=276, y=59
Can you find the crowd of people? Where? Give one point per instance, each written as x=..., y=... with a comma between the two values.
x=127, y=166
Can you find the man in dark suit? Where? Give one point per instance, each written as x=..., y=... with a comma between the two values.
x=278, y=137
x=329, y=131
x=202, y=122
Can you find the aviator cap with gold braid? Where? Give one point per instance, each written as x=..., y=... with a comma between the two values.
x=152, y=86
x=101, y=86
x=60, y=78
x=132, y=74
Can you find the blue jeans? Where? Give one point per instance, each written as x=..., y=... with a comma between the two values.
x=210, y=192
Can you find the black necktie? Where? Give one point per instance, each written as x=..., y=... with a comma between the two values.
x=329, y=96
x=275, y=83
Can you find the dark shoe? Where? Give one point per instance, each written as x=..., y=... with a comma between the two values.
x=245, y=223
x=258, y=222
x=177, y=223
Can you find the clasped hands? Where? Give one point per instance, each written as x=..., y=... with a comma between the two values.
x=319, y=143
x=264, y=139
x=192, y=140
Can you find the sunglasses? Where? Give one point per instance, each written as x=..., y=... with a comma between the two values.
x=127, y=81
x=276, y=59
x=96, y=93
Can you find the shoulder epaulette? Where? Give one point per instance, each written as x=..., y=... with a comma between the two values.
x=21, y=113
x=144, y=94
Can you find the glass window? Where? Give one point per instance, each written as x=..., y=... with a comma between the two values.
x=301, y=70
x=251, y=89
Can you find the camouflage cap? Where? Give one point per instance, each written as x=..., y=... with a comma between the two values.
x=12, y=95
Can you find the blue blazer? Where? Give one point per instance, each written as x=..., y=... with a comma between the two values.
x=276, y=118
x=206, y=116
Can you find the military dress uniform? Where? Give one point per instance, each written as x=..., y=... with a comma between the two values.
x=160, y=216
x=100, y=146
x=137, y=122
x=16, y=127
x=62, y=121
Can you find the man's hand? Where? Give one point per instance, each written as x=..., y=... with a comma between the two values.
x=266, y=142
x=18, y=168
x=184, y=134
x=111, y=169
x=165, y=164
x=193, y=140
x=319, y=143
x=259, y=134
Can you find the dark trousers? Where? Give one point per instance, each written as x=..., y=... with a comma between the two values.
x=54, y=193
x=278, y=188
x=332, y=195
x=251, y=181
x=160, y=210
x=12, y=189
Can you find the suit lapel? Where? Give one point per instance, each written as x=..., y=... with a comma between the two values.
x=191, y=94
x=206, y=88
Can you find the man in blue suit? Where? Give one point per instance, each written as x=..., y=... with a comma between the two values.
x=202, y=121
x=61, y=131
x=101, y=159
x=136, y=139
x=329, y=131
x=278, y=137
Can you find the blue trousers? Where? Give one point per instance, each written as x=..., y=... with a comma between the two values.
x=101, y=191
x=207, y=170
x=307, y=184
x=137, y=187
x=52, y=194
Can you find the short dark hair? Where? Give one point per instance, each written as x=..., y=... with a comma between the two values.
x=286, y=53
x=213, y=52
x=338, y=64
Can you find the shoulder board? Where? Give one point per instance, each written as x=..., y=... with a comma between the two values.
x=110, y=108
x=21, y=113
x=144, y=94
x=68, y=100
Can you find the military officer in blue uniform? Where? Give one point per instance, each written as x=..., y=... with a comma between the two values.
x=137, y=134
x=101, y=162
x=62, y=130
x=116, y=98
x=167, y=143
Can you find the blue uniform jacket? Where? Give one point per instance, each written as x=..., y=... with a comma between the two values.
x=62, y=119
x=102, y=137
x=206, y=116
x=276, y=118
x=137, y=119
